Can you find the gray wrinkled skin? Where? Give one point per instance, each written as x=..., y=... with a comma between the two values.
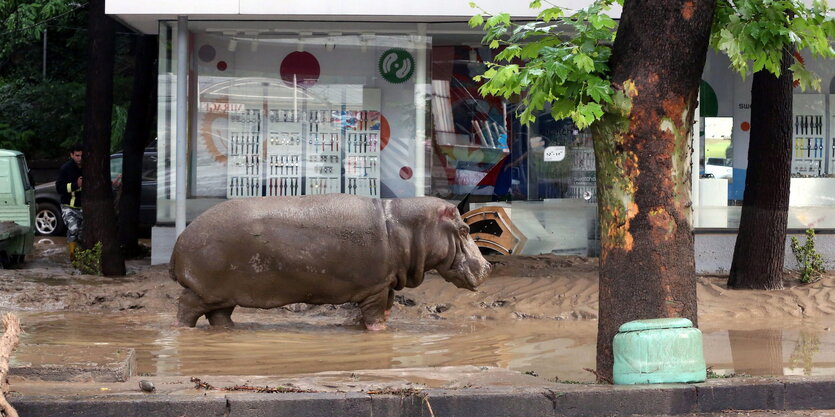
x=322, y=249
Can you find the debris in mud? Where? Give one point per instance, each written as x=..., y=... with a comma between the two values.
x=494, y=304
x=199, y=384
x=437, y=308
x=405, y=301
x=403, y=392
x=267, y=390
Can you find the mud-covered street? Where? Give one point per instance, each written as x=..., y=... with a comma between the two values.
x=534, y=315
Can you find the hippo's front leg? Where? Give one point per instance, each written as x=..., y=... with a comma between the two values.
x=374, y=310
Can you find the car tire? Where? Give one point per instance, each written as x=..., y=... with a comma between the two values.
x=48, y=220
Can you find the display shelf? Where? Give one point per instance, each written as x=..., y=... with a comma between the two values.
x=808, y=146
x=244, y=165
x=362, y=153
x=284, y=154
x=323, y=158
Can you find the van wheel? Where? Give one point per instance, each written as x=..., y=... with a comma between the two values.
x=48, y=220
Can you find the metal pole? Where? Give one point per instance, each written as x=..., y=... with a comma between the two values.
x=420, y=111
x=181, y=141
x=44, y=53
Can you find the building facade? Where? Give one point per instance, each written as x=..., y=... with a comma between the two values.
x=377, y=98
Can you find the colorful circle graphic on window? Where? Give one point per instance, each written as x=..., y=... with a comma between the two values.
x=302, y=66
x=385, y=132
x=206, y=53
x=405, y=173
x=396, y=65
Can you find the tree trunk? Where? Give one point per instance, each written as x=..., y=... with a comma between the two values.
x=761, y=241
x=642, y=148
x=99, y=213
x=137, y=132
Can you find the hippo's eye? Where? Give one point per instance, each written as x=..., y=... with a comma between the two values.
x=464, y=230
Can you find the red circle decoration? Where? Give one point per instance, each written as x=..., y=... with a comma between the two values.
x=405, y=173
x=745, y=126
x=303, y=65
x=385, y=132
x=221, y=65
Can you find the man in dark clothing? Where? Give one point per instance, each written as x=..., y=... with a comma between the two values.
x=68, y=186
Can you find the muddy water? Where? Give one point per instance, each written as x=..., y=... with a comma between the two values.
x=549, y=349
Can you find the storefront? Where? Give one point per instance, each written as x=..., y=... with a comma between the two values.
x=376, y=99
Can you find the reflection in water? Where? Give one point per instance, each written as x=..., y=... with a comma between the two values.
x=757, y=352
x=807, y=346
x=264, y=344
x=550, y=349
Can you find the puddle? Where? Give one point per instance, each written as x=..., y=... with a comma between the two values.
x=263, y=345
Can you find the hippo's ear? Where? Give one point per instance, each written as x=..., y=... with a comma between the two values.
x=447, y=212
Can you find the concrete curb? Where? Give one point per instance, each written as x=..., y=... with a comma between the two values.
x=787, y=393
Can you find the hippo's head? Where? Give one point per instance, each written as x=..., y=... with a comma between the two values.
x=463, y=264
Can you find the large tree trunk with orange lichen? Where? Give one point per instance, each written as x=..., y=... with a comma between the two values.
x=642, y=147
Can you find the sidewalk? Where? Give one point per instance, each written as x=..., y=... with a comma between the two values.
x=477, y=392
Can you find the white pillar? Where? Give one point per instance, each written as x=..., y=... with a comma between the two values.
x=181, y=139
x=695, y=157
x=420, y=111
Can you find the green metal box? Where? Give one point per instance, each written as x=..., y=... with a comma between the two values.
x=658, y=351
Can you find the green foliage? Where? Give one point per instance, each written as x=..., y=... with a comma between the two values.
x=41, y=118
x=88, y=261
x=556, y=59
x=808, y=259
x=753, y=34
x=23, y=21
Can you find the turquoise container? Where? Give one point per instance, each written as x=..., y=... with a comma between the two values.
x=658, y=351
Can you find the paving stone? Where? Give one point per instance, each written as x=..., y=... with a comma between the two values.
x=730, y=396
x=819, y=394
x=626, y=400
x=482, y=403
x=124, y=406
x=299, y=405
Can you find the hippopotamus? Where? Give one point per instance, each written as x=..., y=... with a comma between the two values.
x=267, y=252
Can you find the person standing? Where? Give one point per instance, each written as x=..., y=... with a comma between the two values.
x=69, y=186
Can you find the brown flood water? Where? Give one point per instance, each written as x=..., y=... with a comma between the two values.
x=522, y=320
x=550, y=349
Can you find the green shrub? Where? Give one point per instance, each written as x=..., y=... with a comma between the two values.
x=808, y=259
x=88, y=261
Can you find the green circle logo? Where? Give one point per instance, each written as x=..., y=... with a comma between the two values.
x=396, y=65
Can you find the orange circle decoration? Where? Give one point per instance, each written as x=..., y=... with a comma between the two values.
x=745, y=126
x=385, y=132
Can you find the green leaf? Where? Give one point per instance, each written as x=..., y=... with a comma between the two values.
x=476, y=21
x=535, y=4
x=583, y=62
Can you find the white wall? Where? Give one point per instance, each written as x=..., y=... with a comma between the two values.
x=143, y=16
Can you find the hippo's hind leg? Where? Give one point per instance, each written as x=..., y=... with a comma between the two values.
x=190, y=308
x=221, y=317
x=389, y=304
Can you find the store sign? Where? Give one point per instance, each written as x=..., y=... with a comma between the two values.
x=396, y=65
x=209, y=107
x=554, y=153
